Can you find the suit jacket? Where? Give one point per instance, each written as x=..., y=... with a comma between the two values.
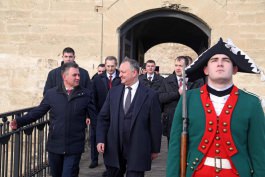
x=247, y=128
x=154, y=84
x=169, y=98
x=145, y=131
x=55, y=79
x=101, y=88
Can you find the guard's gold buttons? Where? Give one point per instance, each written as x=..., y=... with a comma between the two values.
x=203, y=147
x=209, y=111
x=217, y=145
x=224, y=130
x=229, y=106
x=197, y=159
x=201, y=91
x=217, y=170
x=217, y=151
x=210, y=129
x=207, y=104
x=227, y=112
x=217, y=138
x=231, y=149
x=228, y=143
x=210, y=122
x=206, y=141
x=224, y=123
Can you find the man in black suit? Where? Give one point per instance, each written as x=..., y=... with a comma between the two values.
x=101, y=85
x=129, y=126
x=55, y=76
x=151, y=79
x=170, y=92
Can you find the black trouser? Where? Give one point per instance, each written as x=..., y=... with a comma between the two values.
x=93, y=144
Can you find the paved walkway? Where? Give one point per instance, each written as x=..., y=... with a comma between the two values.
x=158, y=166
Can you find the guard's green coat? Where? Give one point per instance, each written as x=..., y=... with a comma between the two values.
x=248, y=132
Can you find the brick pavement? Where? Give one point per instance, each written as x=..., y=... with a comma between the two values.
x=158, y=166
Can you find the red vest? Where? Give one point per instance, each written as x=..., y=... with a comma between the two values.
x=217, y=141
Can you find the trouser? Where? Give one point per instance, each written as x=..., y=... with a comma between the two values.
x=64, y=165
x=93, y=144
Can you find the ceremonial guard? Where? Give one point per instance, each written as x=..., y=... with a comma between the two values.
x=226, y=129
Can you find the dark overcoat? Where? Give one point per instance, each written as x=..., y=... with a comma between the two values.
x=68, y=120
x=101, y=89
x=154, y=84
x=169, y=98
x=145, y=131
x=55, y=78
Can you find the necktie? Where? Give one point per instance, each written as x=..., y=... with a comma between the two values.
x=149, y=78
x=69, y=91
x=180, y=82
x=128, y=100
x=110, y=81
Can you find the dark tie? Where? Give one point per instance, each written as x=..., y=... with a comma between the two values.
x=180, y=82
x=110, y=81
x=149, y=78
x=128, y=100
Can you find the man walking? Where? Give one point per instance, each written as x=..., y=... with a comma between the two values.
x=170, y=92
x=101, y=85
x=129, y=126
x=70, y=105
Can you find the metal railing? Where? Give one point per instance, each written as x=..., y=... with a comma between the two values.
x=23, y=151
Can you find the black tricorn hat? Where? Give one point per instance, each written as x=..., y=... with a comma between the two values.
x=239, y=58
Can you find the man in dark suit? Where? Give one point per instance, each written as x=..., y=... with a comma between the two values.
x=129, y=126
x=170, y=92
x=101, y=69
x=101, y=85
x=151, y=79
x=55, y=76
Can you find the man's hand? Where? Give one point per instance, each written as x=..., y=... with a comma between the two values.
x=88, y=121
x=154, y=156
x=13, y=124
x=101, y=147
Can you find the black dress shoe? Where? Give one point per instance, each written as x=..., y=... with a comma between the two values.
x=93, y=165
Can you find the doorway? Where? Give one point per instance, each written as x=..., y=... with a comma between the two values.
x=156, y=26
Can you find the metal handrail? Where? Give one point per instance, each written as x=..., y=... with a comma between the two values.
x=23, y=151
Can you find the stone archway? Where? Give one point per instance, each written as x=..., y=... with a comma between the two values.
x=152, y=27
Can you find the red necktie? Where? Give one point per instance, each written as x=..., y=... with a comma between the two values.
x=180, y=82
x=110, y=81
x=69, y=92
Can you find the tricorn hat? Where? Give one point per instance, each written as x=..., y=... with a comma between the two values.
x=239, y=58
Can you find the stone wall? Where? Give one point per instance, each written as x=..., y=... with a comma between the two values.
x=34, y=32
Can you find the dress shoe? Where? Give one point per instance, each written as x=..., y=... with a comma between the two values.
x=93, y=165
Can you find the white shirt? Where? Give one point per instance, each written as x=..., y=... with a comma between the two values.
x=152, y=76
x=113, y=75
x=219, y=102
x=133, y=91
x=178, y=78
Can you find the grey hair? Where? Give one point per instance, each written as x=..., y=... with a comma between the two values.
x=134, y=65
